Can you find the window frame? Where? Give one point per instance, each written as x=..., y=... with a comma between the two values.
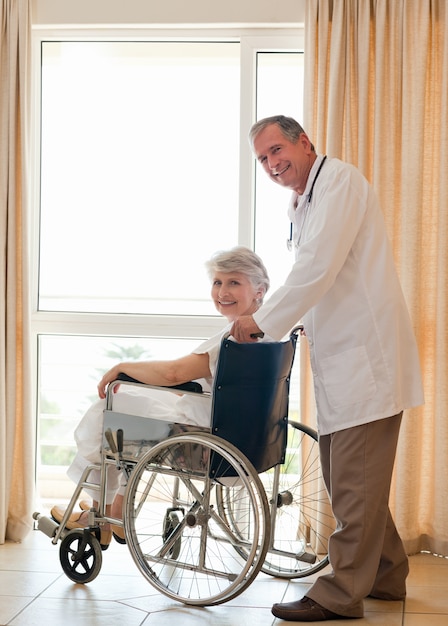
x=252, y=41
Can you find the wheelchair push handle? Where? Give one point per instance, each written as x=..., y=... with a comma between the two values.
x=295, y=331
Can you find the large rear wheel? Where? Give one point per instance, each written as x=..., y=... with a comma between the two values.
x=175, y=531
x=301, y=517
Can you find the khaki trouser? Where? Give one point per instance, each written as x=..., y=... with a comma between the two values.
x=366, y=553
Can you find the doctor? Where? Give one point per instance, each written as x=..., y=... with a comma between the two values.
x=345, y=290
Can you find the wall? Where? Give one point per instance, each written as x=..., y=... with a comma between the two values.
x=152, y=12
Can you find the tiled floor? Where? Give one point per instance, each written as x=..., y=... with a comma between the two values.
x=34, y=590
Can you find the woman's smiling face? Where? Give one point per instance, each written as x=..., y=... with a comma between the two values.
x=234, y=295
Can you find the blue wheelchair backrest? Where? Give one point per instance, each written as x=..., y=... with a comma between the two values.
x=251, y=398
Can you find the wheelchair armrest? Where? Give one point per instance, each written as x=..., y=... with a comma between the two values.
x=192, y=386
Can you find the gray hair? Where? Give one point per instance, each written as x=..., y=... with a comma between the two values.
x=243, y=260
x=288, y=126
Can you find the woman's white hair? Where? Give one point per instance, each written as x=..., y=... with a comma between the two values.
x=243, y=260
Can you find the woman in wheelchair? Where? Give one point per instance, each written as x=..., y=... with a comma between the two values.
x=239, y=282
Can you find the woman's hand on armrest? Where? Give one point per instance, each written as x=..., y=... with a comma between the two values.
x=160, y=373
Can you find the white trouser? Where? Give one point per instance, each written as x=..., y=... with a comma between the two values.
x=160, y=405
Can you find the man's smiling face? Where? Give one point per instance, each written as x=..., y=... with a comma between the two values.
x=286, y=163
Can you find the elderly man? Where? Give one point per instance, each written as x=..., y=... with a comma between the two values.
x=345, y=290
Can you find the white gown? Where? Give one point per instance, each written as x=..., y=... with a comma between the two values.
x=157, y=404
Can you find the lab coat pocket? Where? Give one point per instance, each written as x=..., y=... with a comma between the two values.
x=348, y=377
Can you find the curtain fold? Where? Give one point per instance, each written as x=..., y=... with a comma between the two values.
x=376, y=95
x=16, y=422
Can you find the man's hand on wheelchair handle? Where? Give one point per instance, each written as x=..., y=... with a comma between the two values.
x=245, y=330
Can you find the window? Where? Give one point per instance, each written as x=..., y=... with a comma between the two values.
x=145, y=171
x=139, y=173
x=279, y=91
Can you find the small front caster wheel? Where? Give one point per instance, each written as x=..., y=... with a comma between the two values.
x=80, y=556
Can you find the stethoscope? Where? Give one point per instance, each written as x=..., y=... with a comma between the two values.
x=289, y=241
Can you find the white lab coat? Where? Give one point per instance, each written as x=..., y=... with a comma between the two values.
x=344, y=288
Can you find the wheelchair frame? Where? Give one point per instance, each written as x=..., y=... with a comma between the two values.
x=201, y=515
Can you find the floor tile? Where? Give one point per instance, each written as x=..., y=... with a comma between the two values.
x=35, y=590
x=424, y=620
x=429, y=571
x=222, y=615
x=10, y=606
x=263, y=593
x=28, y=584
x=70, y=612
x=108, y=588
x=374, y=619
x=427, y=600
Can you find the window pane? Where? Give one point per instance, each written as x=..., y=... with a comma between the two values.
x=139, y=174
x=70, y=368
x=279, y=92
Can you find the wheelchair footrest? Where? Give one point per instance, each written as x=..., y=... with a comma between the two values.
x=306, y=557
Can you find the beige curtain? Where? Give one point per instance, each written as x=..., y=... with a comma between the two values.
x=16, y=423
x=376, y=95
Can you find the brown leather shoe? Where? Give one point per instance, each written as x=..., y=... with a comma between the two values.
x=79, y=520
x=76, y=520
x=118, y=533
x=304, y=610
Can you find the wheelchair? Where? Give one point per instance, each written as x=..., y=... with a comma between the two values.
x=206, y=509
